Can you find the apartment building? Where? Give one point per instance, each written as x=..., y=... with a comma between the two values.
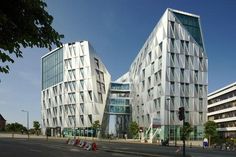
x=222, y=110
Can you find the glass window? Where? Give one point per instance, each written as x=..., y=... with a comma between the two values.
x=150, y=56
x=82, y=107
x=52, y=68
x=90, y=118
x=172, y=86
x=82, y=72
x=96, y=63
x=152, y=67
x=82, y=84
x=192, y=25
x=172, y=25
x=82, y=60
x=160, y=46
x=90, y=95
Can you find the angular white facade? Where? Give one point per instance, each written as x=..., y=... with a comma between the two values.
x=75, y=86
x=170, y=71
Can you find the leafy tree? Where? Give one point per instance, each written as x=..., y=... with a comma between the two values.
x=210, y=130
x=96, y=125
x=36, y=126
x=133, y=129
x=24, y=23
x=15, y=127
x=186, y=130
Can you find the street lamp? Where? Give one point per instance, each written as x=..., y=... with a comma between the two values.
x=27, y=121
x=168, y=99
x=75, y=128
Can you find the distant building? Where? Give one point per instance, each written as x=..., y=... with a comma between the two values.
x=118, y=109
x=2, y=123
x=222, y=110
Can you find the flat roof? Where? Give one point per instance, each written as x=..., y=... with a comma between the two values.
x=222, y=89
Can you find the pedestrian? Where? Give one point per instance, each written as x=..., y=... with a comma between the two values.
x=205, y=142
x=125, y=136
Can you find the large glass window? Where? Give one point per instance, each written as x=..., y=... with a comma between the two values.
x=192, y=25
x=52, y=68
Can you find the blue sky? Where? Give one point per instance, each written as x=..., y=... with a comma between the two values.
x=117, y=30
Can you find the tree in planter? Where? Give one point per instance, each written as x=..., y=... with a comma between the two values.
x=96, y=126
x=210, y=131
x=24, y=23
x=36, y=126
x=133, y=129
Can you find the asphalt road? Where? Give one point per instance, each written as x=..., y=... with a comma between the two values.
x=57, y=148
x=42, y=148
x=156, y=150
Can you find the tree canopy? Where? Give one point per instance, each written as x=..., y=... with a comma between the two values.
x=24, y=23
x=210, y=131
x=36, y=126
x=15, y=127
x=96, y=125
x=186, y=130
x=210, y=128
x=133, y=129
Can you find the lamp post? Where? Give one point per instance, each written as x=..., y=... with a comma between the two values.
x=74, y=128
x=27, y=121
x=168, y=99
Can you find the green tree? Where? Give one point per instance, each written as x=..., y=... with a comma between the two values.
x=210, y=131
x=15, y=127
x=133, y=129
x=96, y=125
x=36, y=126
x=24, y=23
x=186, y=130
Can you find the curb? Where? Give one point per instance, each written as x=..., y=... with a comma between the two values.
x=133, y=153
x=142, y=154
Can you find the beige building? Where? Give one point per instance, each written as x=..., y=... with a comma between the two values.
x=222, y=110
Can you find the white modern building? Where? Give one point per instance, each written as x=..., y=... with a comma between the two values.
x=75, y=86
x=171, y=71
x=222, y=110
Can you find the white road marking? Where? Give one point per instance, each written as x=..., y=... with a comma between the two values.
x=75, y=150
x=35, y=150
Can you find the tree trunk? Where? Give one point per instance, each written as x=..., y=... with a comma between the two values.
x=209, y=143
